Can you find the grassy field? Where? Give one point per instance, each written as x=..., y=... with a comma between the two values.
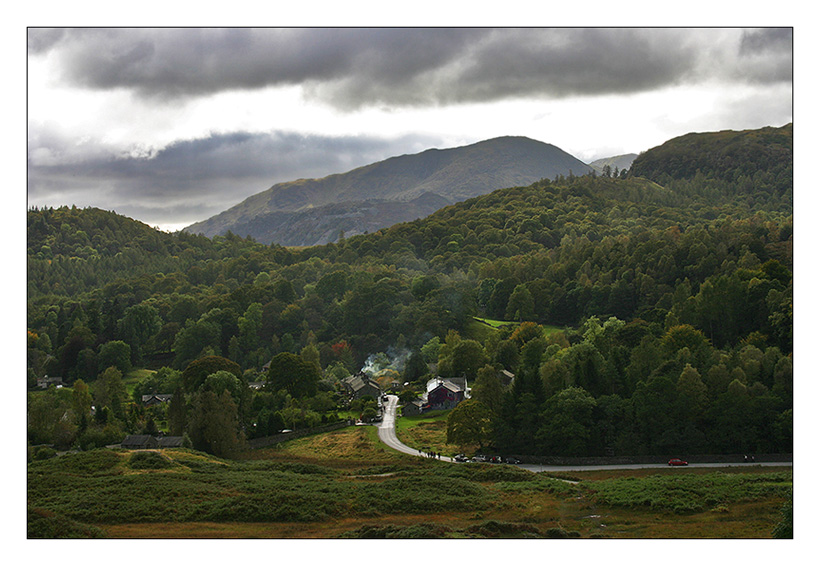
x=347, y=484
x=496, y=324
x=428, y=432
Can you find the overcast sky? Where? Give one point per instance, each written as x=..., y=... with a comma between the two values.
x=171, y=126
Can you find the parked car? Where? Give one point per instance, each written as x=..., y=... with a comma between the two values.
x=496, y=460
x=677, y=462
x=511, y=460
x=460, y=458
x=480, y=458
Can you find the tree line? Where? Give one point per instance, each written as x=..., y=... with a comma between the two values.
x=698, y=256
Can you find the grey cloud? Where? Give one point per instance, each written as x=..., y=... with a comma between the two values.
x=193, y=179
x=765, y=55
x=766, y=40
x=41, y=40
x=353, y=67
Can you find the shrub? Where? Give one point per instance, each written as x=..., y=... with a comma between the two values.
x=44, y=453
x=45, y=524
x=149, y=461
x=419, y=531
x=785, y=529
x=502, y=529
x=94, y=462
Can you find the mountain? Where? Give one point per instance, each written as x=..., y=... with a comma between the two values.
x=309, y=211
x=728, y=155
x=621, y=162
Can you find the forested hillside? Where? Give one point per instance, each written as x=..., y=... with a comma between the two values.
x=668, y=296
x=314, y=211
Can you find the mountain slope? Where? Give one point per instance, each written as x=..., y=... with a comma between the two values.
x=621, y=162
x=439, y=176
x=727, y=155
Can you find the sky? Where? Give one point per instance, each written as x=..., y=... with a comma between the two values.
x=173, y=125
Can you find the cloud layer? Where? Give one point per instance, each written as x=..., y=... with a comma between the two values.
x=350, y=68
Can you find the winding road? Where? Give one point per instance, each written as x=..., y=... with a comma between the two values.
x=387, y=434
x=387, y=430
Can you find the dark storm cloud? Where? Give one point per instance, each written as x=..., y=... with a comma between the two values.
x=766, y=55
x=349, y=68
x=194, y=179
x=778, y=40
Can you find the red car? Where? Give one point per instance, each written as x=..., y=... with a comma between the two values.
x=678, y=462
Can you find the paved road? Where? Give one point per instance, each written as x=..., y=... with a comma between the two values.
x=387, y=434
x=543, y=468
x=387, y=430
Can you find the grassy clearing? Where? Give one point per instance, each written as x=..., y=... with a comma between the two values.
x=133, y=377
x=488, y=323
x=494, y=323
x=427, y=432
x=345, y=449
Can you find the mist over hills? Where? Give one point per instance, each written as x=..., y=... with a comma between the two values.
x=316, y=211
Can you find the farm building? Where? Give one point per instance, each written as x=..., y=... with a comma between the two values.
x=414, y=407
x=139, y=442
x=146, y=441
x=46, y=381
x=155, y=399
x=446, y=393
x=361, y=385
x=170, y=441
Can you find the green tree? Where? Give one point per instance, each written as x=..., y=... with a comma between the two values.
x=51, y=419
x=467, y=357
x=654, y=406
x=521, y=305
x=194, y=339
x=293, y=374
x=195, y=373
x=138, y=324
x=507, y=354
x=109, y=391
x=221, y=381
x=115, y=353
x=177, y=413
x=82, y=401
x=250, y=324
x=567, y=423
x=431, y=349
x=488, y=390
x=214, y=424
x=469, y=423
x=332, y=286
x=310, y=354
x=415, y=368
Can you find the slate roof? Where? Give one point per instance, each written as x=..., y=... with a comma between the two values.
x=139, y=441
x=170, y=441
x=452, y=383
x=157, y=398
x=359, y=381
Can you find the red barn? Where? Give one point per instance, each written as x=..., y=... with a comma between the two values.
x=444, y=395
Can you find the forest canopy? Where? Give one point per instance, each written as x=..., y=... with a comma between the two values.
x=648, y=312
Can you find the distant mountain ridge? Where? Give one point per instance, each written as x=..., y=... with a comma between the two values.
x=622, y=162
x=315, y=211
